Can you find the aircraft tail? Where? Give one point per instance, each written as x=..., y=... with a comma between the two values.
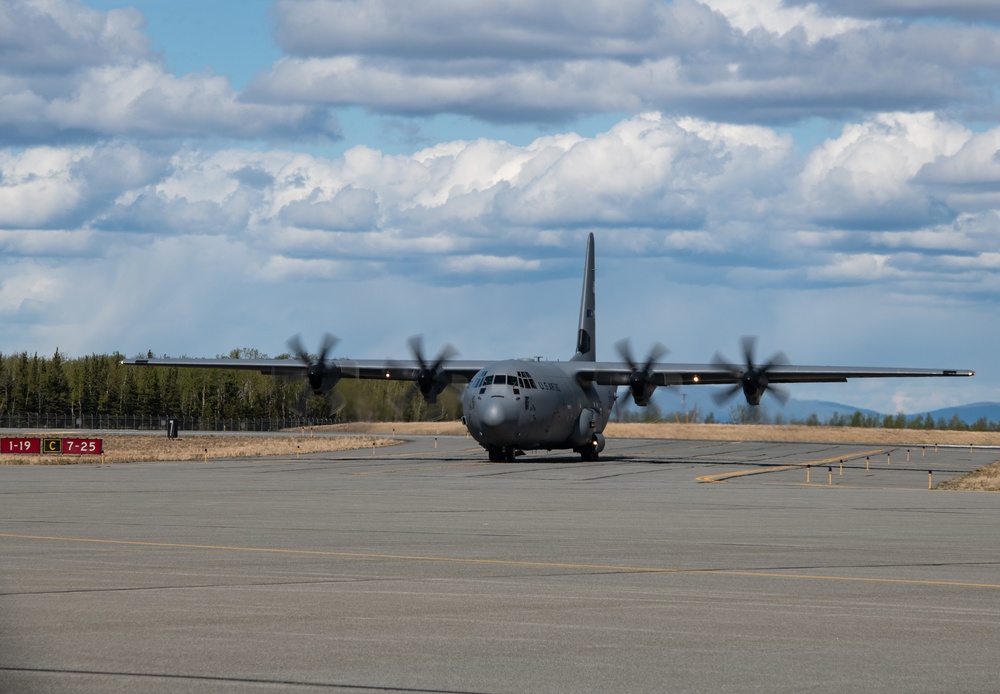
x=585, y=350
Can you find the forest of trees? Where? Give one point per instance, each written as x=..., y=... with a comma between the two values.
x=98, y=392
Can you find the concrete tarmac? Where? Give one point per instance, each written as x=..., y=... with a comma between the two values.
x=427, y=569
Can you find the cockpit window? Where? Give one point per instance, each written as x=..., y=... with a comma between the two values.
x=522, y=380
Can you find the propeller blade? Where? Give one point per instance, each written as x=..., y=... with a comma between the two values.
x=723, y=396
x=749, y=345
x=640, y=382
x=417, y=348
x=321, y=376
x=296, y=348
x=624, y=347
x=780, y=394
x=656, y=352
x=431, y=379
x=779, y=359
x=723, y=363
x=448, y=352
x=750, y=378
x=329, y=342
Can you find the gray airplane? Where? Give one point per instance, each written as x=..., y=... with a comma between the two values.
x=517, y=405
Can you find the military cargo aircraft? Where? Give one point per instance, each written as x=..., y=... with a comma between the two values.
x=517, y=405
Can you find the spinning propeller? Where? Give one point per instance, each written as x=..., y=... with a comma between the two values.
x=750, y=378
x=322, y=377
x=431, y=378
x=640, y=381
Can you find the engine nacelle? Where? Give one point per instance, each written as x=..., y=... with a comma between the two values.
x=640, y=388
x=754, y=384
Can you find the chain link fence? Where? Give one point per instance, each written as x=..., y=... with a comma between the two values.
x=153, y=422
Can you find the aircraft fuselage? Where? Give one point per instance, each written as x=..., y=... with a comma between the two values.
x=518, y=405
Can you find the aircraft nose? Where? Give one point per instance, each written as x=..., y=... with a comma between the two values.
x=498, y=419
x=493, y=414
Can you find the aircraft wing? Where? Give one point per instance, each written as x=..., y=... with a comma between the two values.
x=406, y=370
x=615, y=373
x=840, y=374
x=606, y=373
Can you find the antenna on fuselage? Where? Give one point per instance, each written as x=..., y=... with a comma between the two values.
x=585, y=337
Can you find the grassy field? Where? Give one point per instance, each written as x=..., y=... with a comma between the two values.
x=119, y=448
x=134, y=448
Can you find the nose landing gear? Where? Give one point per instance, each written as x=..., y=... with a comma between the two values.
x=503, y=454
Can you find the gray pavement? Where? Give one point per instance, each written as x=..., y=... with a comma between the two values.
x=428, y=569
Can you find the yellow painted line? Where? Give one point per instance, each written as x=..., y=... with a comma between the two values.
x=508, y=562
x=723, y=476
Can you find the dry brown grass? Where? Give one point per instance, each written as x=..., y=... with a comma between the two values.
x=124, y=448
x=801, y=434
x=985, y=479
x=715, y=432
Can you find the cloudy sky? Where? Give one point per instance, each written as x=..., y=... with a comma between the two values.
x=189, y=177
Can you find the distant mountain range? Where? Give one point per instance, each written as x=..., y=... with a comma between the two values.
x=670, y=402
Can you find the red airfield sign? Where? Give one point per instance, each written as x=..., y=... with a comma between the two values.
x=28, y=445
x=24, y=445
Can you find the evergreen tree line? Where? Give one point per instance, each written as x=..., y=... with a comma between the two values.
x=97, y=391
x=744, y=414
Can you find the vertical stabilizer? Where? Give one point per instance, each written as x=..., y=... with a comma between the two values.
x=585, y=334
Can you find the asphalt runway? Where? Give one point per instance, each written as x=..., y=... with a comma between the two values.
x=424, y=569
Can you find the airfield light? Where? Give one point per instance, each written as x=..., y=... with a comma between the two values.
x=695, y=379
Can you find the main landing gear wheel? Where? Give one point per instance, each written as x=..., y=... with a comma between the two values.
x=502, y=454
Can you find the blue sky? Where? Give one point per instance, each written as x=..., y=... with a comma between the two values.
x=190, y=177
